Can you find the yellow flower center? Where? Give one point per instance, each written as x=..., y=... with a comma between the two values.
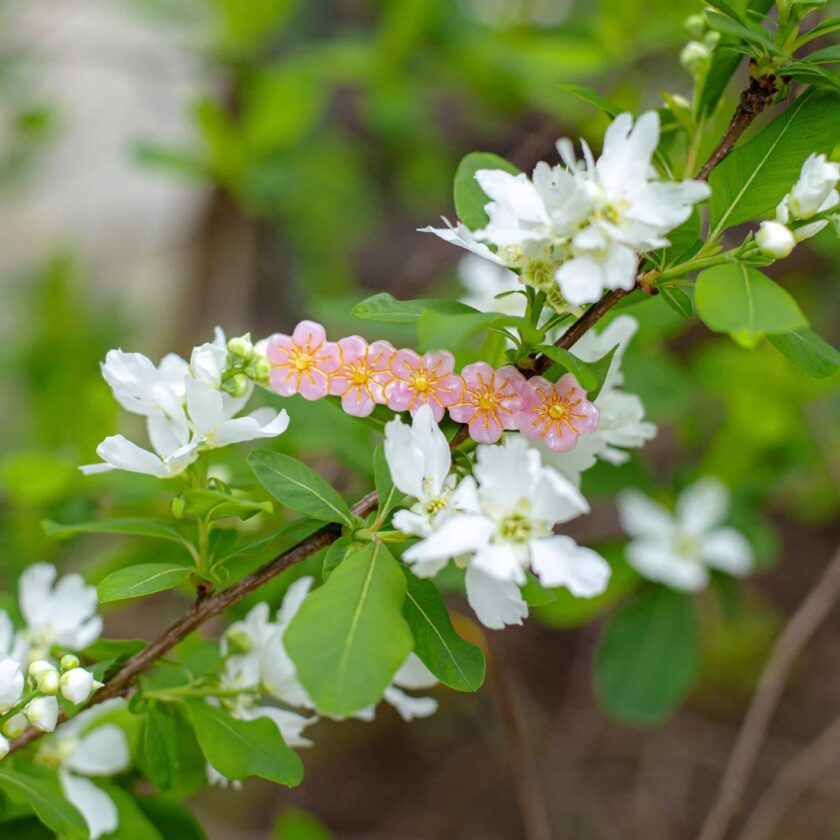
x=303, y=361
x=557, y=411
x=421, y=382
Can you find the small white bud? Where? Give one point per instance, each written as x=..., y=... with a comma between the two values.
x=39, y=665
x=77, y=685
x=47, y=682
x=42, y=713
x=775, y=240
x=68, y=662
x=695, y=25
x=262, y=370
x=5, y=746
x=16, y=725
x=695, y=57
x=241, y=346
x=711, y=39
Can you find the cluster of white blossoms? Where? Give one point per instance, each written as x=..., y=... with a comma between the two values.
x=814, y=193
x=189, y=407
x=679, y=549
x=35, y=665
x=258, y=674
x=580, y=227
x=497, y=523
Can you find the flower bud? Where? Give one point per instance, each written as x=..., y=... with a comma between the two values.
x=775, y=240
x=239, y=640
x=241, y=346
x=45, y=676
x=695, y=57
x=5, y=746
x=42, y=713
x=814, y=190
x=262, y=370
x=77, y=685
x=237, y=385
x=16, y=725
x=711, y=39
x=695, y=25
x=11, y=683
x=68, y=662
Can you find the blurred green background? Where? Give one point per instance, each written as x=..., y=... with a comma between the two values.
x=166, y=166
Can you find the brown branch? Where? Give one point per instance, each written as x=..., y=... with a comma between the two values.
x=802, y=625
x=202, y=610
x=803, y=770
x=753, y=101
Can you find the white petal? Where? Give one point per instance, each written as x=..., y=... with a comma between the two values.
x=410, y=707
x=432, y=443
x=290, y=724
x=167, y=435
x=496, y=602
x=462, y=236
x=506, y=474
x=7, y=632
x=414, y=674
x=560, y=561
x=655, y=561
x=292, y=600
x=205, y=406
x=35, y=592
x=556, y=499
x=262, y=423
x=460, y=534
x=405, y=460
x=703, y=505
x=581, y=280
x=280, y=676
x=120, y=453
x=101, y=752
x=412, y=523
x=500, y=561
x=640, y=516
x=728, y=550
x=92, y=803
x=515, y=192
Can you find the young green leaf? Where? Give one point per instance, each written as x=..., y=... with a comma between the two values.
x=386, y=308
x=242, y=748
x=469, y=197
x=679, y=300
x=158, y=746
x=806, y=350
x=452, y=330
x=160, y=528
x=388, y=494
x=571, y=363
x=213, y=504
x=593, y=98
x=647, y=658
x=334, y=555
x=145, y=579
x=738, y=299
x=349, y=637
x=752, y=180
x=298, y=487
x=46, y=800
x=453, y=661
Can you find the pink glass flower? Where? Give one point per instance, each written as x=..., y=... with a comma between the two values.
x=302, y=363
x=363, y=372
x=488, y=400
x=422, y=380
x=556, y=412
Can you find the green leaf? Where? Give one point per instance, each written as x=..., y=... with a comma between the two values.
x=46, y=800
x=158, y=746
x=453, y=661
x=571, y=363
x=242, y=748
x=110, y=654
x=386, y=308
x=755, y=35
x=593, y=98
x=298, y=487
x=647, y=658
x=349, y=637
x=211, y=505
x=469, y=197
x=171, y=818
x=806, y=350
x=133, y=823
x=740, y=300
x=679, y=300
x=828, y=55
x=145, y=579
x=160, y=528
x=437, y=330
x=298, y=825
x=388, y=494
x=334, y=555
x=753, y=179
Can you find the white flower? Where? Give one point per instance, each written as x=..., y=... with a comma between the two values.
x=582, y=223
x=775, y=240
x=83, y=749
x=213, y=423
x=11, y=683
x=814, y=191
x=5, y=746
x=59, y=613
x=504, y=527
x=679, y=549
x=45, y=676
x=77, y=685
x=209, y=361
x=485, y=281
x=412, y=675
x=42, y=713
x=622, y=423
x=419, y=459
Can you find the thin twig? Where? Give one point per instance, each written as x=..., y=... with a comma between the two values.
x=802, y=625
x=209, y=607
x=802, y=771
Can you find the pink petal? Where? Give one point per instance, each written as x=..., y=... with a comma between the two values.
x=278, y=348
x=448, y=389
x=284, y=381
x=380, y=355
x=424, y=398
x=476, y=374
x=440, y=362
x=328, y=358
x=398, y=395
x=592, y=415
x=562, y=441
x=352, y=348
x=314, y=384
x=524, y=419
x=309, y=332
x=485, y=428
x=462, y=413
x=404, y=363
x=357, y=402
